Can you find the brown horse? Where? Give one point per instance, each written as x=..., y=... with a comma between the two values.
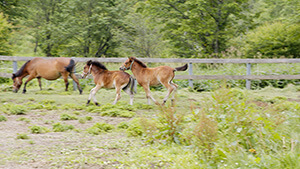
x=49, y=69
x=104, y=78
x=153, y=76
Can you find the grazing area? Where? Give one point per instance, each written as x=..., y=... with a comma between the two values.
x=223, y=128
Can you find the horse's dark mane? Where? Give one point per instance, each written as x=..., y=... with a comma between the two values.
x=20, y=71
x=139, y=62
x=98, y=64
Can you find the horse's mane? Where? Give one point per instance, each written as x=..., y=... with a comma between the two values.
x=20, y=71
x=139, y=62
x=98, y=64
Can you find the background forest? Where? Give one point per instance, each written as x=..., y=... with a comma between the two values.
x=151, y=28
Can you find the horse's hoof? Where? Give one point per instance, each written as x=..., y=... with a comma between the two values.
x=97, y=104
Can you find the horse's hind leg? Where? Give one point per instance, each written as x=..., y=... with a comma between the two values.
x=118, y=95
x=92, y=95
x=65, y=77
x=131, y=95
x=175, y=86
x=72, y=75
x=40, y=82
x=170, y=88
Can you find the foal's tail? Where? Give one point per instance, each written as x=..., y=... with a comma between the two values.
x=182, y=68
x=130, y=85
x=71, y=65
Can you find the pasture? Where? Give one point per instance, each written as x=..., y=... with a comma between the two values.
x=224, y=128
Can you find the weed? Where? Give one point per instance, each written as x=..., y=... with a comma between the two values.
x=98, y=128
x=123, y=125
x=18, y=110
x=3, y=118
x=38, y=129
x=22, y=136
x=117, y=113
x=67, y=117
x=58, y=127
x=23, y=119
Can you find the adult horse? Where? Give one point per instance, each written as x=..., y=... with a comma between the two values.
x=49, y=69
x=104, y=78
x=153, y=76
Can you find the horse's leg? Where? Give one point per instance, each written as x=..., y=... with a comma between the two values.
x=72, y=75
x=40, y=82
x=175, y=86
x=29, y=78
x=92, y=95
x=148, y=94
x=170, y=88
x=65, y=77
x=131, y=94
x=118, y=95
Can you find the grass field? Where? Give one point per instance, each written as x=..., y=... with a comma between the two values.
x=225, y=128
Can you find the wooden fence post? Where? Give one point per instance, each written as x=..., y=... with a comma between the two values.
x=15, y=66
x=248, y=82
x=191, y=73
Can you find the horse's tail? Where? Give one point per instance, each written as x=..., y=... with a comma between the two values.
x=182, y=68
x=130, y=85
x=71, y=65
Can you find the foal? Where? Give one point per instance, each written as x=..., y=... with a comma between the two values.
x=104, y=78
x=153, y=76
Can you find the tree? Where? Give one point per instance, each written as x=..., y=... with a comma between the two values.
x=5, y=33
x=196, y=26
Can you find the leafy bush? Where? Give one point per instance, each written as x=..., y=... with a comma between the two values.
x=273, y=40
x=58, y=127
x=98, y=128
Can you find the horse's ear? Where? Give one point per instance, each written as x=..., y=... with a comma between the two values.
x=89, y=62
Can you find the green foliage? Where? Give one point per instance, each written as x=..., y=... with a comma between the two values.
x=18, y=110
x=5, y=33
x=98, y=128
x=38, y=129
x=58, y=127
x=272, y=40
x=23, y=119
x=123, y=125
x=2, y=118
x=65, y=116
x=135, y=128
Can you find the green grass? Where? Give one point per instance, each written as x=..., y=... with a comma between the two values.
x=225, y=128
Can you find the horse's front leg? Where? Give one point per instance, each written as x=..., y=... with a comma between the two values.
x=148, y=95
x=92, y=95
x=29, y=78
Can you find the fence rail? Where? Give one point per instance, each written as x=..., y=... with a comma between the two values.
x=248, y=77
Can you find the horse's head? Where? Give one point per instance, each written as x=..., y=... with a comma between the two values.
x=127, y=64
x=17, y=83
x=87, y=69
